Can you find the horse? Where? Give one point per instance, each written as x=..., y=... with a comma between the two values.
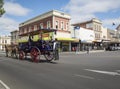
x=11, y=51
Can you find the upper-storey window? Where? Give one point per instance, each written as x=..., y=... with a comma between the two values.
x=35, y=27
x=48, y=24
x=89, y=25
x=62, y=25
x=41, y=25
x=25, y=30
x=56, y=24
x=30, y=29
x=5, y=41
x=67, y=26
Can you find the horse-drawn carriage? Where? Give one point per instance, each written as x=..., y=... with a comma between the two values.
x=34, y=44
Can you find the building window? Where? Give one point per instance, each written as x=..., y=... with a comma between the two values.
x=99, y=28
x=104, y=36
x=67, y=26
x=35, y=27
x=41, y=25
x=56, y=24
x=89, y=25
x=5, y=41
x=30, y=29
x=62, y=25
x=25, y=30
x=97, y=36
x=48, y=25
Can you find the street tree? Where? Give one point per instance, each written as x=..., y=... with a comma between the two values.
x=2, y=11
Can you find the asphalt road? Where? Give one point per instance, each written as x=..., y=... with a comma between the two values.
x=72, y=71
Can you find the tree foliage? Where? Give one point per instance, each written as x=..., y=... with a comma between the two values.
x=2, y=11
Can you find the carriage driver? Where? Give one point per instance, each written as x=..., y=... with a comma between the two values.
x=30, y=41
x=41, y=41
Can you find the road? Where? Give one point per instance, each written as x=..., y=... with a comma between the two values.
x=72, y=71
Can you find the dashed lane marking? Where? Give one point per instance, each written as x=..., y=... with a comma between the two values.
x=118, y=70
x=3, y=85
x=83, y=76
x=104, y=72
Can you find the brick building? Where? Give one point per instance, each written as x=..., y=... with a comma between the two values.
x=95, y=25
x=51, y=20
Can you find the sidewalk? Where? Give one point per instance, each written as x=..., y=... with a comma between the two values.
x=64, y=53
x=82, y=52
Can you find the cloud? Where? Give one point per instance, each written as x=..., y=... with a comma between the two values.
x=7, y=22
x=87, y=9
x=7, y=25
x=15, y=9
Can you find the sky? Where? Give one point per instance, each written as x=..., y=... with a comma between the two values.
x=18, y=11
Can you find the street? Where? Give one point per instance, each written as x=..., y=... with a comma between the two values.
x=99, y=70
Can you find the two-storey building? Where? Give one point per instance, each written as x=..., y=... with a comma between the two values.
x=51, y=20
x=95, y=25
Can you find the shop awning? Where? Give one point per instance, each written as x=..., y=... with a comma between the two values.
x=68, y=39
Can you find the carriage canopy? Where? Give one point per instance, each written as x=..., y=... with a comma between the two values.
x=45, y=34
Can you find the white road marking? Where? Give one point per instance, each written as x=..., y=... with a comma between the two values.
x=103, y=72
x=83, y=76
x=118, y=70
x=4, y=84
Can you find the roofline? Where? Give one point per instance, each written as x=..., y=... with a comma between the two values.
x=86, y=22
x=14, y=31
x=41, y=15
x=118, y=26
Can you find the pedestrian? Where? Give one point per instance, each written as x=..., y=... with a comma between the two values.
x=6, y=50
x=87, y=49
x=55, y=49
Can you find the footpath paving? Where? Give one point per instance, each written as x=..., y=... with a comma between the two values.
x=64, y=53
x=81, y=52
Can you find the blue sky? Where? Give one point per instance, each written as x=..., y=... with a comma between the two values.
x=17, y=11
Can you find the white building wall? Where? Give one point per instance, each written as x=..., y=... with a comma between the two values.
x=85, y=35
x=104, y=33
x=4, y=40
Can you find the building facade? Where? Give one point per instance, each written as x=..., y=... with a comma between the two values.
x=51, y=20
x=118, y=32
x=4, y=40
x=113, y=35
x=95, y=25
x=14, y=36
x=85, y=36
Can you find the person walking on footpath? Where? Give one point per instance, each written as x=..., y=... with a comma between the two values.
x=87, y=49
x=55, y=48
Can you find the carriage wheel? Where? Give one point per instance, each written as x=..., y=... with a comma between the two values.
x=21, y=55
x=49, y=55
x=35, y=54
